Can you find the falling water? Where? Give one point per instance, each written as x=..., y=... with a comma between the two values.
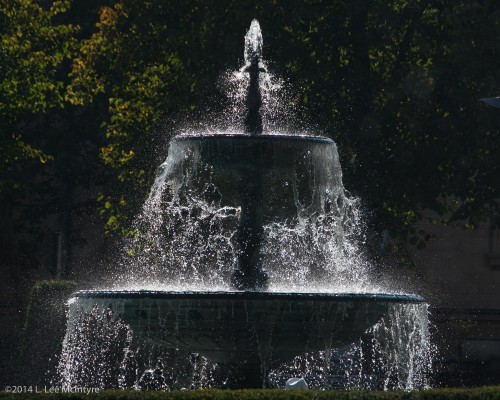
x=395, y=354
x=185, y=234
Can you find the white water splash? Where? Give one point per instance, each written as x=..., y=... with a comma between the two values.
x=185, y=234
x=395, y=354
x=253, y=43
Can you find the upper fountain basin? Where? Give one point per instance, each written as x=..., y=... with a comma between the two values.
x=296, y=174
x=236, y=151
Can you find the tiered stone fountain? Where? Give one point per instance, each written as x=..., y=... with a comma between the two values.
x=246, y=326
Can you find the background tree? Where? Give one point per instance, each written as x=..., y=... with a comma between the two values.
x=396, y=84
x=47, y=146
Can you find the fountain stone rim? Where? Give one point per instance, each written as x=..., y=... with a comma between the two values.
x=255, y=138
x=249, y=295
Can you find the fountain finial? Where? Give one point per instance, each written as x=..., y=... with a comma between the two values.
x=253, y=65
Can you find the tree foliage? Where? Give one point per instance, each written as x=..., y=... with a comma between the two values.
x=31, y=54
x=45, y=143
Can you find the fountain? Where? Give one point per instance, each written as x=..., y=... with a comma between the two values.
x=230, y=213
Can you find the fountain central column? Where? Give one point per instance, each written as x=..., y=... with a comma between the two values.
x=249, y=273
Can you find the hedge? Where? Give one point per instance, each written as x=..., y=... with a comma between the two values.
x=481, y=393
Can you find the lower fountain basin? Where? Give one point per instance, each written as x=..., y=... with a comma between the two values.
x=243, y=326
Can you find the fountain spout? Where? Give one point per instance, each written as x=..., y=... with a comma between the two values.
x=254, y=66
